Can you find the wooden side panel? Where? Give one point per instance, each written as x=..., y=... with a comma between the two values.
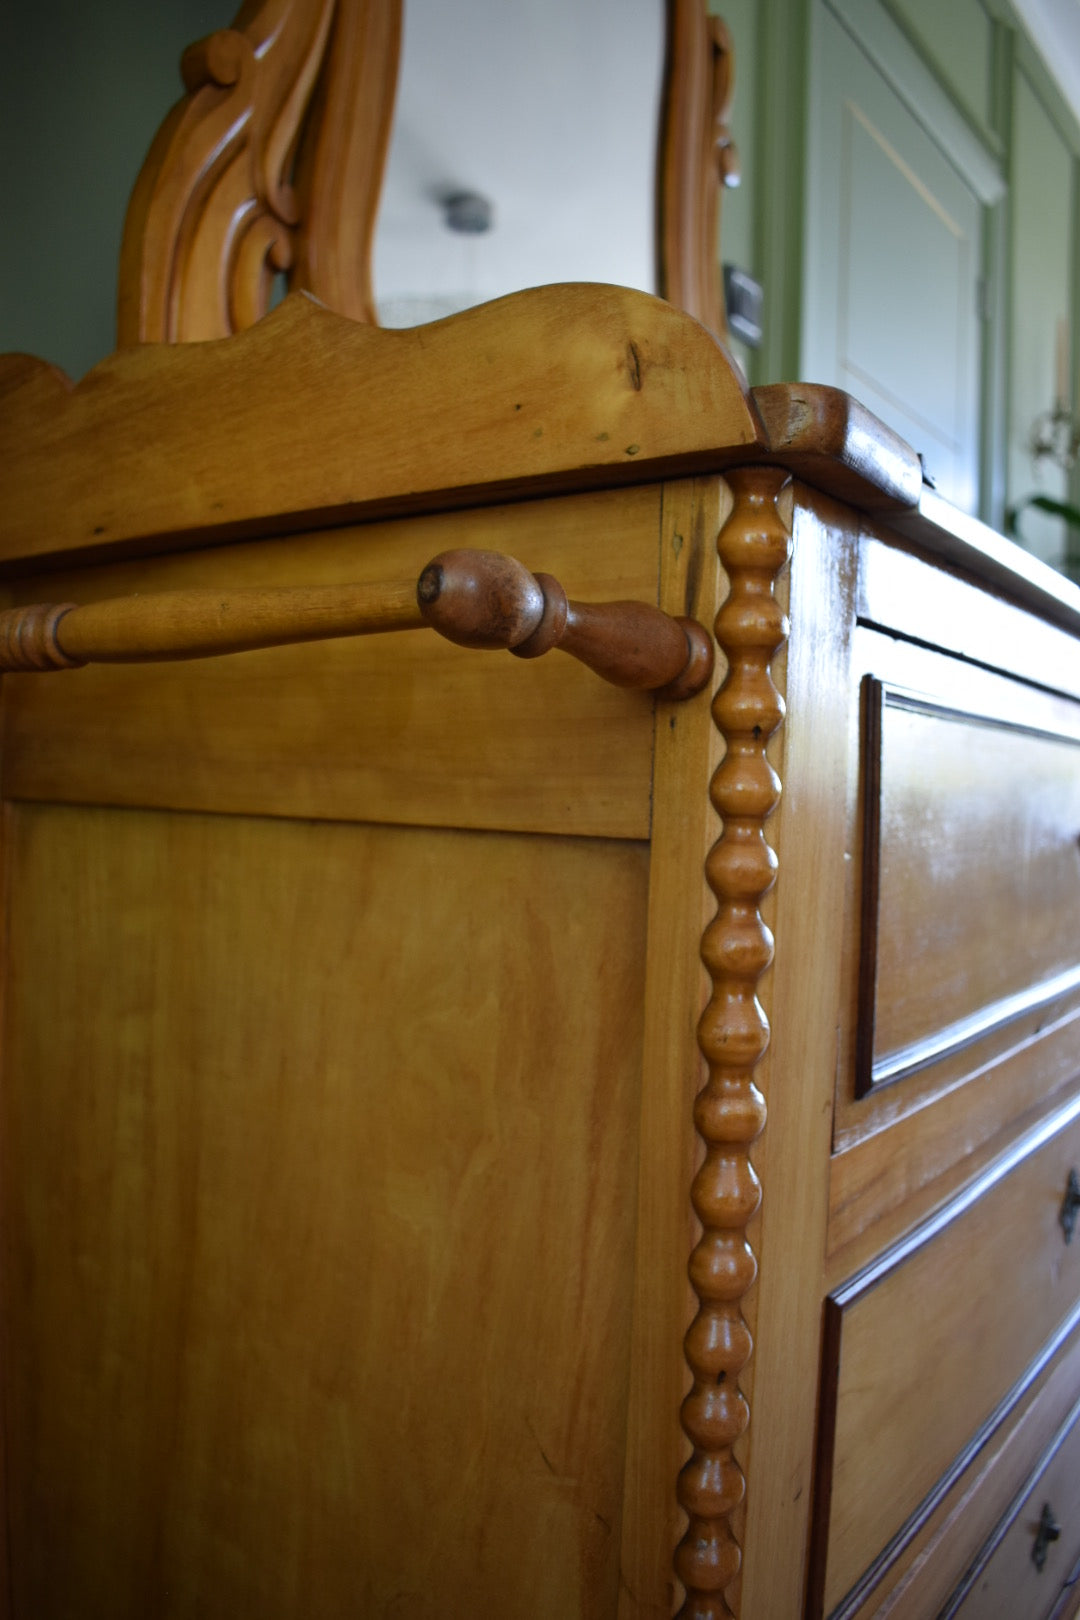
x=319, y=1147
x=400, y=727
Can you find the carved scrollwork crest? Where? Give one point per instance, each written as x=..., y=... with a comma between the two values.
x=271, y=163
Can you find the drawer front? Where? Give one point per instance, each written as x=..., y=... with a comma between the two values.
x=923, y=1347
x=962, y=934
x=1026, y=1564
x=932, y=1566
x=971, y=875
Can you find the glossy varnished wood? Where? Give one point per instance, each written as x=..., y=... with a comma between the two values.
x=349, y=1162
x=687, y=750
x=697, y=158
x=158, y=628
x=936, y=1302
x=901, y=1158
x=1006, y=1580
x=305, y=1203
x=341, y=156
x=576, y=386
x=479, y=599
x=960, y=541
x=893, y=1149
x=733, y=1033
x=399, y=728
x=828, y=438
x=271, y=162
x=930, y=1564
x=807, y=914
x=948, y=788
x=912, y=595
x=483, y=599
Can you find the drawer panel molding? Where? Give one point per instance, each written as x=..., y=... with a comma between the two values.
x=889, y=1452
x=971, y=878
x=1029, y=1558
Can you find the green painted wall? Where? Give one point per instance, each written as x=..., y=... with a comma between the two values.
x=83, y=88
x=990, y=106
x=957, y=39
x=1043, y=303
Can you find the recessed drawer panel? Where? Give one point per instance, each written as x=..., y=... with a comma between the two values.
x=971, y=877
x=924, y=1346
x=932, y=1566
x=1027, y=1562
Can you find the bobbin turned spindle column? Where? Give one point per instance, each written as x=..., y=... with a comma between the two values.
x=733, y=1035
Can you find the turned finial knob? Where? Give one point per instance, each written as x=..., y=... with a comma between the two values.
x=480, y=598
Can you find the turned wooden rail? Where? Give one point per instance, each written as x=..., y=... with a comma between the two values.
x=474, y=598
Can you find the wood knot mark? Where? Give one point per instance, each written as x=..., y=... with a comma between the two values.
x=633, y=365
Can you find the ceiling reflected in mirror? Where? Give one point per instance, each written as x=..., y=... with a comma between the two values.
x=523, y=151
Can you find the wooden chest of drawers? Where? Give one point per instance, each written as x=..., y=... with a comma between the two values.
x=386, y=1024
x=951, y=1289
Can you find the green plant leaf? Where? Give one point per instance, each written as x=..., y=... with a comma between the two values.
x=1041, y=503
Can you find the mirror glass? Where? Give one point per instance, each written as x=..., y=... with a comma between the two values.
x=523, y=151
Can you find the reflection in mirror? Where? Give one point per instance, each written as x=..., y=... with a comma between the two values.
x=560, y=142
x=523, y=151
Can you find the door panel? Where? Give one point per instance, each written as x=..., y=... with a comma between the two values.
x=892, y=227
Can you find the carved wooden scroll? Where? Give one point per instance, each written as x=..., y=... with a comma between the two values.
x=697, y=156
x=733, y=1035
x=473, y=598
x=272, y=162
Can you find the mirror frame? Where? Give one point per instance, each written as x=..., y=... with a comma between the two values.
x=273, y=160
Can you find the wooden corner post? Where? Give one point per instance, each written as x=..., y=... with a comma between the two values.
x=733, y=1034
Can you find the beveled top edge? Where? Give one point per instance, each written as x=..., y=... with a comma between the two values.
x=829, y=439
